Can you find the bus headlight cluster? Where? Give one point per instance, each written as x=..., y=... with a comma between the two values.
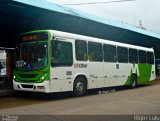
x=43, y=77
x=14, y=78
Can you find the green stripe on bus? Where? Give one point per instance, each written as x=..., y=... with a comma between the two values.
x=144, y=73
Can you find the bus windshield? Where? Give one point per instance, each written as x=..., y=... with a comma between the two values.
x=31, y=56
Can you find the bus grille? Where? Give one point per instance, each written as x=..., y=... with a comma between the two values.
x=26, y=86
x=27, y=75
x=28, y=81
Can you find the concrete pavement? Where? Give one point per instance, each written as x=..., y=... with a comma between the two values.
x=139, y=101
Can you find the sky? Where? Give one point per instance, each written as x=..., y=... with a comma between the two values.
x=131, y=12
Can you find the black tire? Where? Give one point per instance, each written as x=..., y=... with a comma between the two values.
x=133, y=81
x=79, y=87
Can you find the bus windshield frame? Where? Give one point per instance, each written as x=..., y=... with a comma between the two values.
x=31, y=52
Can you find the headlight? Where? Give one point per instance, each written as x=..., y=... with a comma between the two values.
x=42, y=78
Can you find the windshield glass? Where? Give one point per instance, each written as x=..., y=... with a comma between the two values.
x=31, y=56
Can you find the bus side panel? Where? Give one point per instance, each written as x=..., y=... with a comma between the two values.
x=117, y=74
x=124, y=71
x=145, y=71
x=60, y=80
x=110, y=74
x=153, y=73
x=80, y=68
x=95, y=73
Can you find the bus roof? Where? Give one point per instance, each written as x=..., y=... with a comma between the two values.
x=92, y=39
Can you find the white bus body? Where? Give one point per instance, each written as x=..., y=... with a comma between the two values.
x=89, y=74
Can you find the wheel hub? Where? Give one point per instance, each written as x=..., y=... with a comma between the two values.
x=79, y=87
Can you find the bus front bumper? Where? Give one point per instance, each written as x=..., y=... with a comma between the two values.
x=32, y=87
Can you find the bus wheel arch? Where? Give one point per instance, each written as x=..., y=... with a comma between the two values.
x=80, y=85
x=133, y=80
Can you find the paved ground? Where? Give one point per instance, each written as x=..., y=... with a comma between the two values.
x=139, y=101
x=6, y=88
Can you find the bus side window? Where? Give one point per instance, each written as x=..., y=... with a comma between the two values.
x=150, y=58
x=142, y=56
x=122, y=54
x=133, y=56
x=81, y=50
x=109, y=53
x=95, y=52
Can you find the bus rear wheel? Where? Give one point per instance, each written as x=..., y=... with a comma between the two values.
x=133, y=81
x=80, y=86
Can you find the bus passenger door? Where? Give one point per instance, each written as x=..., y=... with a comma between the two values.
x=61, y=65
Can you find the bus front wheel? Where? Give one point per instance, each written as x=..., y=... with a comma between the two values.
x=80, y=86
x=133, y=81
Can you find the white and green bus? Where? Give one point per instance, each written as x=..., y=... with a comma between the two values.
x=54, y=61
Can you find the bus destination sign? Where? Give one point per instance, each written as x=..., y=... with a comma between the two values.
x=39, y=36
x=30, y=38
